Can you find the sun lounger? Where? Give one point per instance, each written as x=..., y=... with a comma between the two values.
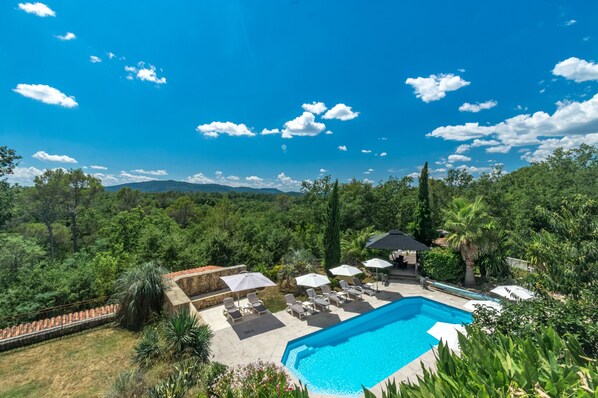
x=231, y=311
x=256, y=304
x=351, y=291
x=331, y=295
x=318, y=301
x=294, y=306
x=366, y=289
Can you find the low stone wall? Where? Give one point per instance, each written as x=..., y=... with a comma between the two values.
x=211, y=300
x=206, y=281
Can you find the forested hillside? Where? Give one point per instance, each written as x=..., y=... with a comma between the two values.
x=65, y=240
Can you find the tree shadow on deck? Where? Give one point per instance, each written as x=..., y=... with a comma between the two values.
x=257, y=325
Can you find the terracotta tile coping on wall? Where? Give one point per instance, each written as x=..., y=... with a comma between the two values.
x=61, y=320
x=192, y=271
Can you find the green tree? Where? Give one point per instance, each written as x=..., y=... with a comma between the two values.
x=470, y=232
x=79, y=192
x=8, y=161
x=353, y=250
x=332, y=239
x=423, y=230
x=127, y=199
x=183, y=211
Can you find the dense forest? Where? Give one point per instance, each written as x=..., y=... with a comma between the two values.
x=65, y=240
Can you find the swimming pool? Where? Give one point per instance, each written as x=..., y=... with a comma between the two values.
x=368, y=348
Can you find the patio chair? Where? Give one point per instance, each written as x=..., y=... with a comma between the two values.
x=351, y=291
x=318, y=301
x=231, y=311
x=294, y=306
x=331, y=295
x=257, y=305
x=385, y=281
x=366, y=289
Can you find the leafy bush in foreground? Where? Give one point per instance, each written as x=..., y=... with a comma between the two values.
x=498, y=365
x=442, y=265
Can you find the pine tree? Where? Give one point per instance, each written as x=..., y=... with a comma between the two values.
x=424, y=230
x=332, y=238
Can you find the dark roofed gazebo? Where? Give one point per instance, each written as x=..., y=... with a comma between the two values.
x=395, y=240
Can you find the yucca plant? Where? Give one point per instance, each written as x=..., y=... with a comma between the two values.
x=139, y=294
x=184, y=336
x=149, y=349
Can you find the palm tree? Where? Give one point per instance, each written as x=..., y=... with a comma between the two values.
x=353, y=245
x=184, y=336
x=470, y=232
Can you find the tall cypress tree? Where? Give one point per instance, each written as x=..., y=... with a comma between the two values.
x=424, y=230
x=332, y=238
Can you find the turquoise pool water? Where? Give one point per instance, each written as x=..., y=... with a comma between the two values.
x=368, y=348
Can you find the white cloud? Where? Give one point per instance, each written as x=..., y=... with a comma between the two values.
x=314, y=107
x=127, y=177
x=578, y=70
x=458, y=158
x=570, y=22
x=273, y=131
x=66, y=37
x=254, y=179
x=369, y=171
x=383, y=154
x=304, y=125
x=39, y=9
x=474, y=169
x=199, y=178
x=216, y=128
x=323, y=170
x=41, y=155
x=151, y=172
x=45, y=94
x=94, y=59
x=340, y=112
x=287, y=181
x=476, y=143
x=467, y=107
x=111, y=55
x=366, y=151
x=546, y=147
x=570, y=118
x=131, y=69
x=328, y=132
x=435, y=87
x=233, y=178
x=342, y=148
x=24, y=175
x=498, y=149
x=95, y=167
x=462, y=148
x=367, y=181
x=150, y=75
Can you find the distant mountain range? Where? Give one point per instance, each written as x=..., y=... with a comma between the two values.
x=158, y=186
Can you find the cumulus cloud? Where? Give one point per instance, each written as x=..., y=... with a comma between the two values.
x=254, y=179
x=570, y=118
x=342, y=148
x=66, y=37
x=273, y=131
x=287, y=181
x=314, y=107
x=39, y=9
x=24, y=175
x=214, y=129
x=128, y=177
x=199, y=178
x=151, y=172
x=41, y=155
x=546, y=147
x=570, y=22
x=458, y=158
x=367, y=181
x=94, y=59
x=110, y=55
x=435, y=87
x=328, y=132
x=369, y=171
x=383, y=154
x=366, y=151
x=578, y=70
x=45, y=94
x=498, y=149
x=467, y=107
x=304, y=125
x=476, y=143
x=323, y=170
x=145, y=74
x=340, y=112
x=95, y=167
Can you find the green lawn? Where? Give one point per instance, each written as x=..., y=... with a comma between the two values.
x=82, y=365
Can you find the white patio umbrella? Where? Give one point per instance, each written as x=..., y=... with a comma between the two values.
x=312, y=280
x=448, y=332
x=513, y=292
x=246, y=281
x=475, y=304
x=345, y=270
x=378, y=264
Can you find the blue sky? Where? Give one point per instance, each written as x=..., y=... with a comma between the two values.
x=185, y=90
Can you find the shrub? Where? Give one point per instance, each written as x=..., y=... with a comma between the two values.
x=443, y=265
x=184, y=336
x=185, y=376
x=260, y=379
x=139, y=294
x=149, y=349
x=128, y=384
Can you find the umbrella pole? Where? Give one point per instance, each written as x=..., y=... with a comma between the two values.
x=376, y=279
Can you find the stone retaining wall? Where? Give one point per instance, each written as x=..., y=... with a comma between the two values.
x=212, y=300
x=206, y=281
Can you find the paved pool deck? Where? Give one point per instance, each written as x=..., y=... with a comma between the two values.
x=265, y=337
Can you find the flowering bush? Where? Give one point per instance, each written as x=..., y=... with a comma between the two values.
x=260, y=379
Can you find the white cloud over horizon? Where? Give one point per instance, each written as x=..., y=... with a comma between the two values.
x=43, y=156
x=39, y=9
x=435, y=87
x=214, y=129
x=479, y=106
x=151, y=172
x=45, y=94
x=96, y=167
x=340, y=112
